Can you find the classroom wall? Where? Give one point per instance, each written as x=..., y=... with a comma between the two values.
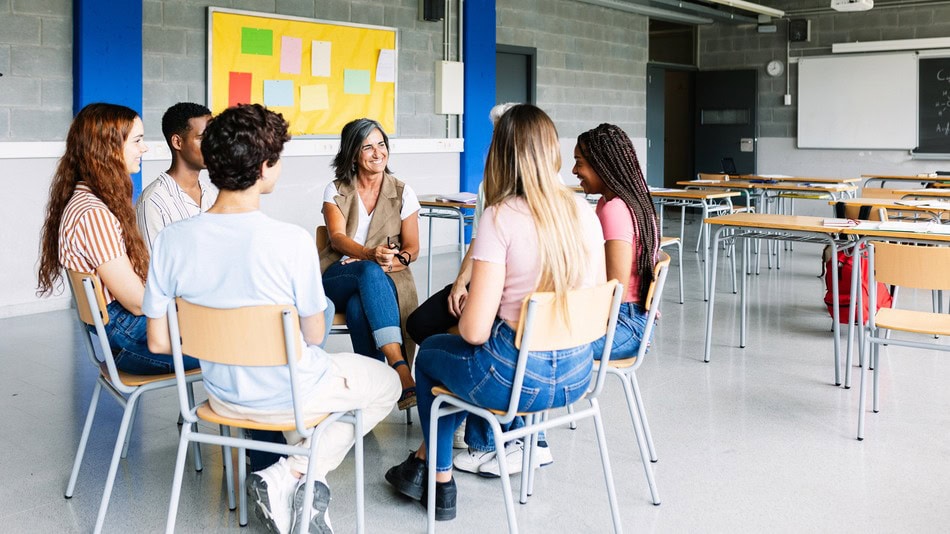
x=724, y=46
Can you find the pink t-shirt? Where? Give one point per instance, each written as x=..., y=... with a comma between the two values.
x=507, y=236
x=619, y=225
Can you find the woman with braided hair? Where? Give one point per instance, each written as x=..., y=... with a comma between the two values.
x=606, y=163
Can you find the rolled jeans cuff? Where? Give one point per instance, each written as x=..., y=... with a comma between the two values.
x=386, y=335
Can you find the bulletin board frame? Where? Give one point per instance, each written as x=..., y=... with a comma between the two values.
x=321, y=104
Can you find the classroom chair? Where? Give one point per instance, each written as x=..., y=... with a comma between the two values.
x=626, y=371
x=912, y=266
x=671, y=242
x=541, y=329
x=267, y=335
x=125, y=388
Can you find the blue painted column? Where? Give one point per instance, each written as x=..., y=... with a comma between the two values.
x=479, y=57
x=107, y=56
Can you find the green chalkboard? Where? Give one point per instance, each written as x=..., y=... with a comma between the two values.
x=933, y=122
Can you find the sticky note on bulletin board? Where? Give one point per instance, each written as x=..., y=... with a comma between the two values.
x=318, y=74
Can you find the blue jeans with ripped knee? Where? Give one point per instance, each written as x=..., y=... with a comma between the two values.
x=483, y=375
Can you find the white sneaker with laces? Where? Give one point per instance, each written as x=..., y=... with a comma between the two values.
x=272, y=489
x=319, y=517
x=514, y=453
x=471, y=460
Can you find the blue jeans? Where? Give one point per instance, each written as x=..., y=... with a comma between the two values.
x=631, y=323
x=127, y=336
x=483, y=375
x=368, y=297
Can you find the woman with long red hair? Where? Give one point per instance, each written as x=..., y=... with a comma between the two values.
x=90, y=227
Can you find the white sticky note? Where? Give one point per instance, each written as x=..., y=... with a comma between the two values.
x=386, y=65
x=320, y=58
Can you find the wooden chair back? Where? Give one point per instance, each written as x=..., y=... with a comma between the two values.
x=719, y=177
x=880, y=192
x=662, y=262
x=82, y=303
x=248, y=336
x=589, y=313
x=914, y=266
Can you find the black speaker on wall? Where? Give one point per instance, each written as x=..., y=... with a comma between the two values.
x=799, y=30
x=432, y=10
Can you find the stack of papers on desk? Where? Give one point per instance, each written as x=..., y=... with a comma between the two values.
x=936, y=204
x=928, y=227
x=839, y=223
x=461, y=198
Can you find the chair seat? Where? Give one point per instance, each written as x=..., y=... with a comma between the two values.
x=918, y=322
x=442, y=390
x=623, y=363
x=206, y=413
x=339, y=319
x=743, y=209
x=130, y=379
x=667, y=241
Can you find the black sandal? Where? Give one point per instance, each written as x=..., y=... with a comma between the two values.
x=408, y=398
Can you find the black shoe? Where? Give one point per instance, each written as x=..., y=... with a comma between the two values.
x=446, y=494
x=409, y=477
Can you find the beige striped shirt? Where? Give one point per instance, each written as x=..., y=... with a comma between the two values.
x=89, y=234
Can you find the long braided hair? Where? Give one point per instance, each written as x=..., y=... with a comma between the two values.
x=612, y=156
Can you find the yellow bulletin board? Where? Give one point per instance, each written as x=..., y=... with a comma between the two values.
x=318, y=74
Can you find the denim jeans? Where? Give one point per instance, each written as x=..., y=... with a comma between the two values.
x=631, y=322
x=483, y=375
x=127, y=336
x=368, y=297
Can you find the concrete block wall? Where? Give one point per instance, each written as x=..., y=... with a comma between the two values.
x=724, y=46
x=175, y=53
x=591, y=61
x=36, y=63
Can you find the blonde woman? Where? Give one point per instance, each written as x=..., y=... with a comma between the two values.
x=535, y=235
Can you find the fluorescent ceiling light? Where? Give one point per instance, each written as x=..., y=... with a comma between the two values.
x=750, y=6
x=652, y=12
x=892, y=45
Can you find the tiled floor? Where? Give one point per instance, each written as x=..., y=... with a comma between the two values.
x=757, y=440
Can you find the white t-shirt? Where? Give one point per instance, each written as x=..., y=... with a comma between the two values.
x=235, y=260
x=410, y=205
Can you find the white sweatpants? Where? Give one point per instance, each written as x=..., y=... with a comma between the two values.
x=352, y=381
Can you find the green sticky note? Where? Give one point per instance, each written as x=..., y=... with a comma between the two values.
x=356, y=82
x=257, y=41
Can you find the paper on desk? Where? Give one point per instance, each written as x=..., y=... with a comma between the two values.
x=900, y=226
x=462, y=198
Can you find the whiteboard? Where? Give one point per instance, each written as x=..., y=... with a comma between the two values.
x=858, y=101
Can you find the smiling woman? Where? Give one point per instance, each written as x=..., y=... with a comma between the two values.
x=373, y=223
x=90, y=227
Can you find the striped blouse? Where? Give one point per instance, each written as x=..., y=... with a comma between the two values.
x=89, y=234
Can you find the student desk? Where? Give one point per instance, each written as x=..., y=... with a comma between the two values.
x=433, y=208
x=777, y=228
x=935, y=210
x=711, y=202
x=882, y=178
x=799, y=179
x=933, y=192
x=868, y=232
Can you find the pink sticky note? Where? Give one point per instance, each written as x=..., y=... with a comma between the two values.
x=290, y=50
x=239, y=88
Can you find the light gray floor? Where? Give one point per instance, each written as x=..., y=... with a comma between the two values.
x=757, y=440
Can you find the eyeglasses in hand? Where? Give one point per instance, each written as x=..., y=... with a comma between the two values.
x=403, y=257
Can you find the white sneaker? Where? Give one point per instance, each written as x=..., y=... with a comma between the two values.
x=320, y=519
x=513, y=457
x=271, y=489
x=458, y=440
x=471, y=460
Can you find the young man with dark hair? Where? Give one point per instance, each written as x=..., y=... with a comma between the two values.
x=232, y=256
x=177, y=193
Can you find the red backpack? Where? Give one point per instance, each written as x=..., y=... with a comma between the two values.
x=845, y=272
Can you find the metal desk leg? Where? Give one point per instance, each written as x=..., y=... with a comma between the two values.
x=743, y=318
x=704, y=232
x=836, y=326
x=849, y=359
x=712, y=297
x=429, y=260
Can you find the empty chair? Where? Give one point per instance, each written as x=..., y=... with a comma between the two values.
x=910, y=266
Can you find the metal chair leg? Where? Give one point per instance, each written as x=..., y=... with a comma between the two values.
x=116, y=455
x=608, y=473
x=81, y=450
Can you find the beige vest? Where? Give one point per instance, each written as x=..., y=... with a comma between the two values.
x=384, y=222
